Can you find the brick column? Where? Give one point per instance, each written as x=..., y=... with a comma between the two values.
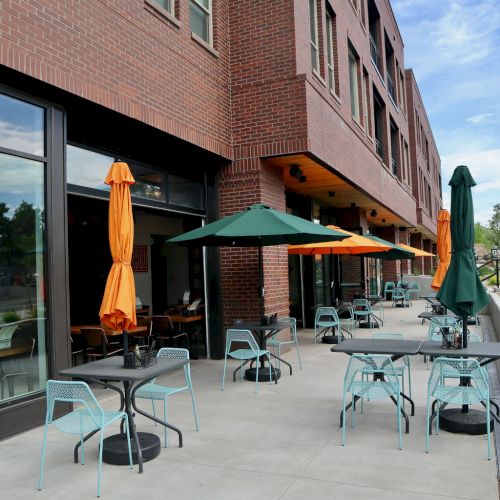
x=418, y=263
x=427, y=260
x=352, y=267
x=242, y=184
x=391, y=269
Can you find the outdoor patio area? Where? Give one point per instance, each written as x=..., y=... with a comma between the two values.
x=284, y=442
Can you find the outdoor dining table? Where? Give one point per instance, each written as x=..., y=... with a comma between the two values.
x=111, y=373
x=263, y=332
x=396, y=349
x=456, y=419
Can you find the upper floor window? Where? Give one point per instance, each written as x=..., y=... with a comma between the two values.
x=354, y=84
x=331, y=50
x=201, y=19
x=313, y=23
x=167, y=5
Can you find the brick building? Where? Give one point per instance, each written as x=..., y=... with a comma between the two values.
x=303, y=105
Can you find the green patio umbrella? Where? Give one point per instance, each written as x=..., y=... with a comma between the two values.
x=395, y=253
x=258, y=226
x=462, y=290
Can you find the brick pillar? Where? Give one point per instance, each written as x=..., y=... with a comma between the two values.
x=403, y=237
x=391, y=269
x=352, y=267
x=427, y=260
x=242, y=184
x=418, y=263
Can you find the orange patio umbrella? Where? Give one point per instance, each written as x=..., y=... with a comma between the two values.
x=417, y=251
x=443, y=248
x=353, y=245
x=118, y=303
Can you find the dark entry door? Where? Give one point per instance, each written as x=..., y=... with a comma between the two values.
x=159, y=268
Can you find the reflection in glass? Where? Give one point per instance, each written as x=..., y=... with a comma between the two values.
x=200, y=19
x=87, y=168
x=149, y=183
x=23, y=362
x=21, y=126
x=185, y=192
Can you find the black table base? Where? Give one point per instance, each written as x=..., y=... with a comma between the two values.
x=455, y=420
x=331, y=339
x=251, y=374
x=115, y=448
x=368, y=324
x=399, y=304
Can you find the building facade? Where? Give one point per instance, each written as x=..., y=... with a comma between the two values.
x=303, y=105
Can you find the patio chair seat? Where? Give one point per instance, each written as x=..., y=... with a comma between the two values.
x=458, y=394
x=276, y=342
x=81, y=420
x=242, y=354
x=371, y=389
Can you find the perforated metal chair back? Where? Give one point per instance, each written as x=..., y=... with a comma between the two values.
x=398, y=294
x=293, y=325
x=243, y=336
x=327, y=315
x=437, y=324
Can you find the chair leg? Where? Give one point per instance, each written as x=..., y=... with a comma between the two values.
x=271, y=368
x=165, y=420
x=224, y=373
x=353, y=417
x=409, y=381
x=427, y=424
x=99, y=465
x=42, y=462
x=399, y=422
x=298, y=352
x=82, y=447
x=193, y=401
x=488, y=418
x=343, y=418
x=130, y=464
x=154, y=410
x=257, y=374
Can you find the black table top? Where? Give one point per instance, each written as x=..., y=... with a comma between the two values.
x=258, y=327
x=378, y=346
x=430, y=314
x=489, y=350
x=112, y=369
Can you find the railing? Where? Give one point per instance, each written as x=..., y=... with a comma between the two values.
x=390, y=88
x=378, y=147
x=374, y=52
x=491, y=260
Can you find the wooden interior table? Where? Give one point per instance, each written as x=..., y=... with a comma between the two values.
x=179, y=318
x=110, y=373
x=77, y=330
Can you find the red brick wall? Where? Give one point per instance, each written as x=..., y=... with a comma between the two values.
x=418, y=263
x=127, y=57
x=241, y=184
x=428, y=260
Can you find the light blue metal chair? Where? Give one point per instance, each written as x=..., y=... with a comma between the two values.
x=347, y=319
x=159, y=392
x=87, y=418
x=475, y=391
x=384, y=384
x=362, y=311
x=324, y=319
x=413, y=289
x=402, y=364
x=252, y=352
x=388, y=288
x=402, y=296
x=276, y=343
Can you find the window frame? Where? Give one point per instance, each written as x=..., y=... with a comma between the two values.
x=330, y=51
x=314, y=44
x=353, y=62
x=209, y=12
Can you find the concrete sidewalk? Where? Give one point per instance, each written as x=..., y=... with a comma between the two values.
x=283, y=442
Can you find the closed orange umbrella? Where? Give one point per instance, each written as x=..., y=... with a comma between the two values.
x=443, y=248
x=118, y=304
x=353, y=245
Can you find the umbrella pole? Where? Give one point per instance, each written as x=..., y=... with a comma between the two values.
x=261, y=286
x=464, y=381
x=125, y=342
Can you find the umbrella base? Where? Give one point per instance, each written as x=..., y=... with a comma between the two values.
x=473, y=422
x=115, y=448
x=368, y=324
x=251, y=374
x=331, y=339
x=401, y=305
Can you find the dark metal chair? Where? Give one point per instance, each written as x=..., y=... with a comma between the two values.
x=97, y=344
x=163, y=332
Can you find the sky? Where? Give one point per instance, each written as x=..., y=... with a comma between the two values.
x=453, y=47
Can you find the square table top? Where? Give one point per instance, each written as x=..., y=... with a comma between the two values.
x=378, y=346
x=112, y=369
x=489, y=350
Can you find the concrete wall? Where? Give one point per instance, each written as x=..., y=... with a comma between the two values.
x=423, y=280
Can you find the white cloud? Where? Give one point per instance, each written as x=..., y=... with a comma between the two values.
x=483, y=165
x=480, y=118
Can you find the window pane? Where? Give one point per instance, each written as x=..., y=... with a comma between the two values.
x=149, y=183
x=21, y=126
x=312, y=20
x=200, y=22
x=353, y=82
x=22, y=293
x=166, y=4
x=204, y=3
x=185, y=192
x=87, y=168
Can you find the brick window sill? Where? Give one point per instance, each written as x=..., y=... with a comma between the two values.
x=161, y=13
x=319, y=77
x=205, y=45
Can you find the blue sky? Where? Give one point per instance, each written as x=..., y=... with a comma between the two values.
x=453, y=47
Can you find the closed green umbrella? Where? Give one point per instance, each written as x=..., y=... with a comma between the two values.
x=259, y=226
x=462, y=290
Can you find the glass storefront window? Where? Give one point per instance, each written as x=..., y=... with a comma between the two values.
x=149, y=183
x=23, y=361
x=22, y=126
x=186, y=192
x=87, y=168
